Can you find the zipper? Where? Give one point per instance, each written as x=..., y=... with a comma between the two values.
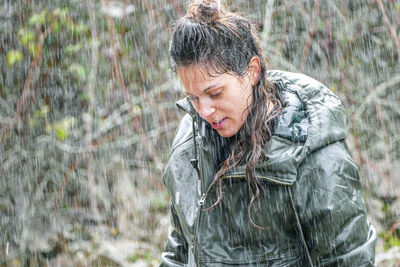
x=202, y=199
x=200, y=202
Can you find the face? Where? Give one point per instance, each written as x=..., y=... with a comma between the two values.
x=222, y=99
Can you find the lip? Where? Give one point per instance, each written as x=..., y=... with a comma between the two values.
x=218, y=124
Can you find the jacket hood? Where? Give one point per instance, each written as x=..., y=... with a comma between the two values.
x=312, y=118
x=312, y=112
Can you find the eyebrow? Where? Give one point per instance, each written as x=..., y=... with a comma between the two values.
x=208, y=88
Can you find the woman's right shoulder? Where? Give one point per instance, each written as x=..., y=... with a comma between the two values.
x=183, y=132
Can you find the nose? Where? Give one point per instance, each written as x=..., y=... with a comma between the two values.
x=205, y=109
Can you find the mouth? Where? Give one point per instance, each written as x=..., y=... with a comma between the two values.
x=218, y=124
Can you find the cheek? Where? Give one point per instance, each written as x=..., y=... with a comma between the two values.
x=244, y=99
x=245, y=93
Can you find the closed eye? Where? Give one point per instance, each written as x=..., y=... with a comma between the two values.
x=216, y=94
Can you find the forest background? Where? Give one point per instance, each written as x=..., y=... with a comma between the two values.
x=87, y=115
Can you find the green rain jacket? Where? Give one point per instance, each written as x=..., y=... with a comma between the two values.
x=311, y=209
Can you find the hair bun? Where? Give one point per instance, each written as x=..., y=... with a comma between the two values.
x=205, y=11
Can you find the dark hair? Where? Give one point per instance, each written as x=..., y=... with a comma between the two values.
x=224, y=42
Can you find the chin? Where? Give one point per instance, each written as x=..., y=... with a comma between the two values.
x=226, y=134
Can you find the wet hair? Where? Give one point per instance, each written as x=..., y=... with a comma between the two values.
x=224, y=42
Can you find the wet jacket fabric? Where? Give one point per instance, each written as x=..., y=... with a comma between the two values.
x=310, y=211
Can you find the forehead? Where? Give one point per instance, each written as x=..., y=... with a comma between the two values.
x=198, y=77
x=195, y=73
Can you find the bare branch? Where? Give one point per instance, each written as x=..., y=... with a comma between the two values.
x=391, y=28
x=115, y=55
x=29, y=78
x=267, y=21
x=391, y=230
x=66, y=179
x=311, y=34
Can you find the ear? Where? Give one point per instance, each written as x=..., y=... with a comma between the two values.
x=254, y=69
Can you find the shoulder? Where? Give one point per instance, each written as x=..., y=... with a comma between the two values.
x=183, y=132
x=332, y=161
x=297, y=82
x=178, y=170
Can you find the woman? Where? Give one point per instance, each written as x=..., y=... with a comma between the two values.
x=259, y=173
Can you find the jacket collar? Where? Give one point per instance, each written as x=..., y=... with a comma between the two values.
x=185, y=105
x=202, y=126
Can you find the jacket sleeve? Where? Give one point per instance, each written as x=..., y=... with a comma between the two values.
x=175, y=252
x=331, y=209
